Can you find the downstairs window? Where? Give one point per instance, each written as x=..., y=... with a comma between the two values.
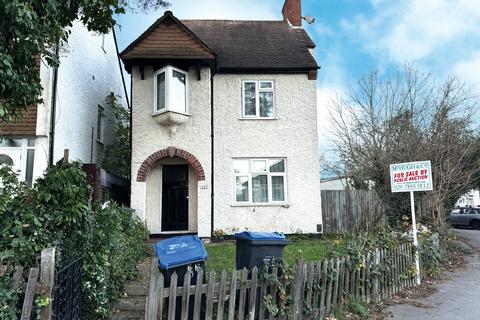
x=259, y=181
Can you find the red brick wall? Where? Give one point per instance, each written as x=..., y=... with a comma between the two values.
x=25, y=125
x=292, y=11
x=171, y=152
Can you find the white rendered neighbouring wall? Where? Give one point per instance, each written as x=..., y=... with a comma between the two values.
x=291, y=135
x=87, y=74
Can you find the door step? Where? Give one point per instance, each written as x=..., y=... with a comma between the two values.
x=135, y=303
x=131, y=305
x=128, y=315
x=134, y=290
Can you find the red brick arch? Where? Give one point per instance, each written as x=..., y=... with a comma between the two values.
x=171, y=152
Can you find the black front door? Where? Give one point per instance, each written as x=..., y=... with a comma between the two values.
x=175, y=198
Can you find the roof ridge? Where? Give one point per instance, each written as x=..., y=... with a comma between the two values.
x=233, y=20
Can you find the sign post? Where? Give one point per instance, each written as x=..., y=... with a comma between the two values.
x=411, y=177
x=415, y=239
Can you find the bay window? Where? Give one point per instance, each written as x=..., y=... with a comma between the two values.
x=259, y=181
x=258, y=99
x=170, y=90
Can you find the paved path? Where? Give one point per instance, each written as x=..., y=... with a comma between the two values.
x=457, y=298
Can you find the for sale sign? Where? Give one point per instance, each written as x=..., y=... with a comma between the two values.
x=411, y=176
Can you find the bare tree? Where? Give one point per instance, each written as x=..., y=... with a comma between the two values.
x=408, y=117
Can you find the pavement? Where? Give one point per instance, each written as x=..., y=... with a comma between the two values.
x=458, y=297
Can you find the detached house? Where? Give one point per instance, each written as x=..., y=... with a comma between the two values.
x=73, y=114
x=224, y=125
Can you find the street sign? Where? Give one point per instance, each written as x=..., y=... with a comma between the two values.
x=411, y=176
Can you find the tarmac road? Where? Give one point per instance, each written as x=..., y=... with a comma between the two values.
x=456, y=298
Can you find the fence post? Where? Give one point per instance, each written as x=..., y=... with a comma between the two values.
x=47, y=278
x=297, y=293
x=376, y=291
x=152, y=291
x=29, y=294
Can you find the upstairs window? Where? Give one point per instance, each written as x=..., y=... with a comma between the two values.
x=170, y=90
x=258, y=99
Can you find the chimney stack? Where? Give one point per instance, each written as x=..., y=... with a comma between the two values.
x=292, y=12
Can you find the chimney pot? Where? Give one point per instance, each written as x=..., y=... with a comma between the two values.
x=292, y=12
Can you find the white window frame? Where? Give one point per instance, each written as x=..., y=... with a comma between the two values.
x=23, y=148
x=168, y=77
x=269, y=175
x=257, y=98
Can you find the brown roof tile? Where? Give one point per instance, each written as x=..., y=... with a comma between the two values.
x=238, y=45
x=254, y=44
x=167, y=37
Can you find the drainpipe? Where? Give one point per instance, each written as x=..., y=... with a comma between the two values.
x=130, y=174
x=212, y=215
x=53, y=107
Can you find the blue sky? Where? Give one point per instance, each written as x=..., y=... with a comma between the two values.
x=355, y=37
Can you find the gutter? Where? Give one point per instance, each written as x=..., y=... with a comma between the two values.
x=53, y=106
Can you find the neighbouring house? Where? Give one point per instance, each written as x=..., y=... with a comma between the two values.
x=73, y=115
x=343, y=183
x=336, y=183
x=224, y=126
x=469, y=199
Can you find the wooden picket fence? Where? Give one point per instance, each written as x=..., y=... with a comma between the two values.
x=40, y=282
x=311, y=293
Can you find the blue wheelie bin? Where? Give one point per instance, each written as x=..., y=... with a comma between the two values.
x=181, y=255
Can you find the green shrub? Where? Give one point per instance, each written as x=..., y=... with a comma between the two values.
x=115, y=247
x=8, y=298
x=57, y=212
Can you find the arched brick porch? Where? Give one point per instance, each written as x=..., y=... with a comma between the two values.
x=171, y=152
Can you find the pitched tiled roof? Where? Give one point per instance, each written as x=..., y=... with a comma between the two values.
x=255, y=44
x=238, y=45
x=167, y=37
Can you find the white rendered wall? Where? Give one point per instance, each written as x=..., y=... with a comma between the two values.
x=87, y=74
x=292, y=135
x=148, y=137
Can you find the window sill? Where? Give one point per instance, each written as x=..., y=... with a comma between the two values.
x=281, y=204
x=156, y=113
x=268, y=119
x=100, y=142
x=170, y=118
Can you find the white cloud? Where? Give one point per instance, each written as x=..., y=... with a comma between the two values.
x=325, y=97
x=469, y=70
x=323, y=30
x=425, y=25
x=435, y=34
x=413, y=29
